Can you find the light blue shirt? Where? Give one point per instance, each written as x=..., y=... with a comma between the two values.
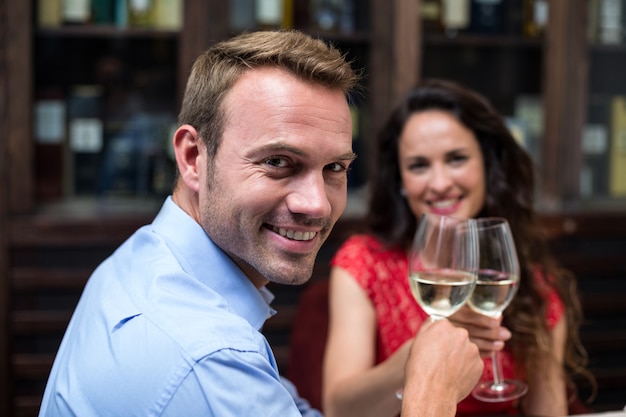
x=169, y=326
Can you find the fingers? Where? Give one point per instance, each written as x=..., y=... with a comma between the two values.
x=443, y=354
x=485, y=332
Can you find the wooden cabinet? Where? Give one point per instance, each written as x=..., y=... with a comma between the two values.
x=49, y=245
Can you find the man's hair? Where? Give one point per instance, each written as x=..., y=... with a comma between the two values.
x=215, y=72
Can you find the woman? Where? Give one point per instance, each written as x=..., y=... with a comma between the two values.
x=445, y=150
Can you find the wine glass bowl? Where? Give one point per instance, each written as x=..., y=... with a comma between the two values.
x=496, y=285
x=442, y=264
x=493, y=292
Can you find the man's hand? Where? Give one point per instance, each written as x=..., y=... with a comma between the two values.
x=442, y=368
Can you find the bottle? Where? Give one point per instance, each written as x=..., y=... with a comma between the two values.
x=242, y=15
x=168, y=14
x=49, y=13
x=49, y=133
x=85, y=137
x=535, y=18
x=455, y=16
x=140, y=13
x=76, y=12
x=430, y=13
x=326, y=14
x=487, y=16
x=268, y=14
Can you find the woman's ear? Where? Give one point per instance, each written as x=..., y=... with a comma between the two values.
x=189, y=151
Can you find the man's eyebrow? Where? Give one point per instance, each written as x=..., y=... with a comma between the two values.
x=350, y=156
x=281, y=146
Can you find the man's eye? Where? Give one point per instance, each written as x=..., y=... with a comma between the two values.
x=336, y=167
x=276, y=162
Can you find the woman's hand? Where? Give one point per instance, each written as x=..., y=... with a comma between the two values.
x=486, y=332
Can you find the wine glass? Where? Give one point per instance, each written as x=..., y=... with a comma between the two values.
x=497, y=283
x=443, y=263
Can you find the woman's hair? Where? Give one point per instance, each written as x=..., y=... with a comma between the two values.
x=215, y=72
x=510, y=192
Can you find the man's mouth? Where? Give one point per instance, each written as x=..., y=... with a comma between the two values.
x=293, y=234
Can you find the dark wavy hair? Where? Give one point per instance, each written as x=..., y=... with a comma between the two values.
x=510, y=193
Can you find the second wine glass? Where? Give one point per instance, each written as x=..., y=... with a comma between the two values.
x=497, y=283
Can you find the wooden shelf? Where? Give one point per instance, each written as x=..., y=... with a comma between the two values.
x=482, y=41
x=105, y=31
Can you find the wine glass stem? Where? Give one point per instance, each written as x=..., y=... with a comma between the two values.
x=497, y=368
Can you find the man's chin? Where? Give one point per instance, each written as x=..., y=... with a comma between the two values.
x=290, y=275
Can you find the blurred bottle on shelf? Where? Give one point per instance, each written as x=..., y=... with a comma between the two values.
x=49, y=13
x=242, y=15
x=49, y=132
x=103, y=12
x=272, y=14
x=487, y=17
x=326, y=14
x=535, y=18
x=85, y=126
x=76, y=12
x=168, y=14
x=140, y=13
x=607, y=20
x=455, y=16
x=617, y=175
x=430, y=12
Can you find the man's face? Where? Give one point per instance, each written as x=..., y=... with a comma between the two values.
x=279, y=179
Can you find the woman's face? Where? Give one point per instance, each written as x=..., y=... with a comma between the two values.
x=441, y=166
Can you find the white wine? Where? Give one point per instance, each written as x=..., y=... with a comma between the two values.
x=442, y=292
x=493, y=292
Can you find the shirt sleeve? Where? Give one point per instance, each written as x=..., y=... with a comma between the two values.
x=303, y=405
x=231, y=383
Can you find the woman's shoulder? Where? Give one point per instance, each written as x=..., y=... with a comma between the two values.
x=544, y=285
x=364, y=241
x=365, y=248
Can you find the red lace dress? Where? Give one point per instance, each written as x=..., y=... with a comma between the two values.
x=383, y=274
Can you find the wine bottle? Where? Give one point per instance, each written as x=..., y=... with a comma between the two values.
x=535, y=17
x=455, y=16
x=268, y=14
x=76, y=12
x=49, y=13
x=140, y=13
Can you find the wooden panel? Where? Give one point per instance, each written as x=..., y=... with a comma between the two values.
x=55, y=231
x=565, y=86
x=407, y=28
x=40, y=322
x=4, y=282
x=19, y=89
x=381, y=57
x=204, y=24
x=41, y=279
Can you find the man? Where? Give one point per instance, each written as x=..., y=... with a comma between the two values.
x=169, y=324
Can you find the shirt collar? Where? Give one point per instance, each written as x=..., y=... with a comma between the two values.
x=204, y=260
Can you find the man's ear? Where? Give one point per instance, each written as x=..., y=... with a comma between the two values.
x=189, y=151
